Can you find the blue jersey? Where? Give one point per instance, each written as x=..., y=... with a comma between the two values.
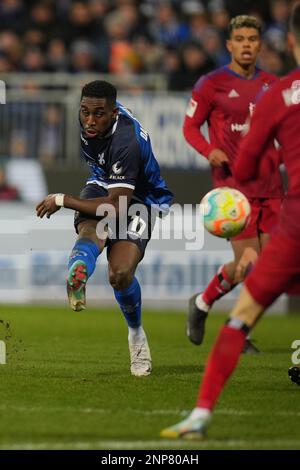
x=124, y=158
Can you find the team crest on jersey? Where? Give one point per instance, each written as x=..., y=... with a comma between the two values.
x=101, y=158
x=265, y=86
x=192, y=106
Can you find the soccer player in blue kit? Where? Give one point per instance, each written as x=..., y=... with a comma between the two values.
x=119, y=153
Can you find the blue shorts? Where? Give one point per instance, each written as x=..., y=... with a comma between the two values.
x=138, y=227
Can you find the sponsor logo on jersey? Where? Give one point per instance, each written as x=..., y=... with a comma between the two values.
x=192, y=106
x=233, y=94
x=116, y=168
x=117, y=177
x=240, y=127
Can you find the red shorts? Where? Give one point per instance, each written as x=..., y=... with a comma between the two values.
x=263, y=219
x=277, y=269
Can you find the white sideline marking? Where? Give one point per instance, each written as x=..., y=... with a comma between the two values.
x=150, y=444
x=2, y=352
x=228, y=412
x=144, y=445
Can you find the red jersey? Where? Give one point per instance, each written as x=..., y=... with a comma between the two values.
x=225, y=100
x=277, y=115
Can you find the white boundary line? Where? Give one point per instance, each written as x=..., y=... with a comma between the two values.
x=149, y=444
x=158, y=412
x=153, y=444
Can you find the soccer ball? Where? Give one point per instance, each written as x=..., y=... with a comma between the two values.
x=226, y=212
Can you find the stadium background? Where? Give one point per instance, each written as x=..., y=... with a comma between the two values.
x=153, y=51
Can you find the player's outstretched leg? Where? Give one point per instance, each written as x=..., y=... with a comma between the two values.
x=249, y=347
x=123, y=258
x=76, y=281
x=192, y=428
x=221, y=362
x=130, y=303
x=81, y=266
x=201, y=303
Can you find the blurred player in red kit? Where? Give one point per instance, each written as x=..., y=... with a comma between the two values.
x=277, y=116
x=225, y=99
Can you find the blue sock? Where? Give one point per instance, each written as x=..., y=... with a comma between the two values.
x=130, y=302
x=87, y=251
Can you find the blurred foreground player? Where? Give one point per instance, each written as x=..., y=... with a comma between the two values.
x=277, y=269
x=225, y=98
x=124, y=172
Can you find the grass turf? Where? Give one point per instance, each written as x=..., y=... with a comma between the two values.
x=67, y=385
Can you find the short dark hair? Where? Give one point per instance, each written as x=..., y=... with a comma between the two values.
x=244, y=21
x=100, y=89
x=295, y=22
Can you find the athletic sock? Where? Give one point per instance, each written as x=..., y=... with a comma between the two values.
x=218, y=286
x=200, y=413
x=136, y=335
x=87, y=251
x=201, y=304
x=130, y=303
x=221, y=362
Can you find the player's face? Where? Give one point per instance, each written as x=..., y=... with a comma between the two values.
x=244, y=45
x=96, y=116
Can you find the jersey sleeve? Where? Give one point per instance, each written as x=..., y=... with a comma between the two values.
x=124, y=167
x=198, y=111
x=260, y=135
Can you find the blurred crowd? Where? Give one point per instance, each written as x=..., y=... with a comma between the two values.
x=181, y=39
x=21, y=176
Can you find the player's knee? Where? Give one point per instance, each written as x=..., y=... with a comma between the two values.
x=230, y=269
x=246, y=309
x=120, y=278
x=89, y=231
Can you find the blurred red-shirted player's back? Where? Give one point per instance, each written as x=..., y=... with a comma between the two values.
x=277, y=116
x=278, y=267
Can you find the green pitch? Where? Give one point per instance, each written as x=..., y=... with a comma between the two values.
x=66, y=384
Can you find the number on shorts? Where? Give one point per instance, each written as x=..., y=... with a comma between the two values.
x=137, y=225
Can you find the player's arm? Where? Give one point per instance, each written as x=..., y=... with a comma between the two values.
x=261, y=134
x=54, y=202
x=197, y=113
x=122, y=178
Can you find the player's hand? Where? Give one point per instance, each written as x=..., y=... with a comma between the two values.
x=47, y=207
x=217, y=158
x=245, y=264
